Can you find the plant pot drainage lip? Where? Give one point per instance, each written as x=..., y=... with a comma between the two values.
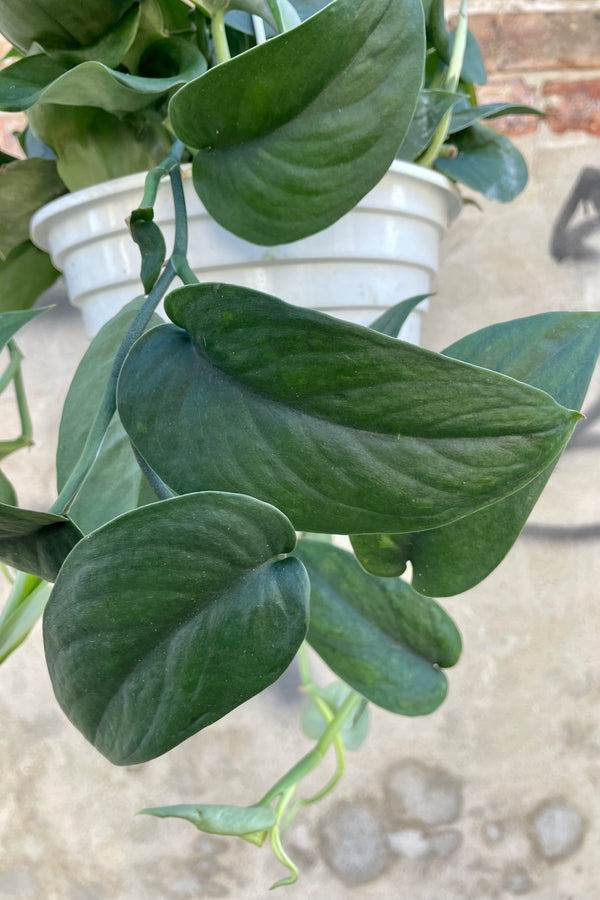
x=90, y=195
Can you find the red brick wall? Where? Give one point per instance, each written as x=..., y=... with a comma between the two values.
x=547, y=58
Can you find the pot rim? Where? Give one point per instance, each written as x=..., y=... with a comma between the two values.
x=95, y=192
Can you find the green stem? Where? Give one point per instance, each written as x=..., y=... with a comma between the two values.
x=452, y=79
x=14, y=361
x=275, y=840
x=315, y=756
x=26, y=426
x=155, y=175
x=217, y=26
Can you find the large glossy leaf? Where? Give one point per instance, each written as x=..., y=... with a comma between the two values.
x=25, y=185
x=25, y=274
x=115, y=483
x=58, y=23
x=40, y=79
x=35, y=542
x=379, y=635
x=431, y=108
x=487, y=162
x=13, y=321
x=110, y=47
x=333, y=423
x=294, y=132
x=554, y=351
x=92, y=145
x=168, y=617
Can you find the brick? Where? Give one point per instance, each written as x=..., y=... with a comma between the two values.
x=510, y=90
x=573, y=105
x=539, y=40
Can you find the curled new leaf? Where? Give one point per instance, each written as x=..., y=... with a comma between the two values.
x=249, y=822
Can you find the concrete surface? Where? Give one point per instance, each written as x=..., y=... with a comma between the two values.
x=496, y=795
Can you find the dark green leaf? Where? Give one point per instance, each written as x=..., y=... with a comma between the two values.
x=354, y=730
x=321, y=113
x=25, y=274
x=249, y=822
x=431, y=108
x=7, y=491
x=40, y=79
x=391, y=321
x=35, y=542
x=378, y=634
x=167, y=618
x=556, y=352
x=58, y=23
x=25, y=185
x=153, y=249
x=115, y=483
x=13, y=320
x=340, y=427
x=93, y=146
x=464, y=117
x=486, y=162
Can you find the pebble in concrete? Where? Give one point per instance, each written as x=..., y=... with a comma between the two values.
x=418, y=793
x=558, y=829
x=353, y=843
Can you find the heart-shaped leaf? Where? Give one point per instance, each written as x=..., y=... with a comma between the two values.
x=40, y=79
x=556, y=352
x=165, y=619
x=293, y=133
x=35, y=542
x=249, y=822
x=487, y=162
x=25, y=185
x=25, y=274
x=115, y=483
x=334, y=424
x=378, y=634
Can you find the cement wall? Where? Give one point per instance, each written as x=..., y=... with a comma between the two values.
x=495, y=795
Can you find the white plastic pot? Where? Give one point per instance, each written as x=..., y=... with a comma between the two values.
x=383, y=251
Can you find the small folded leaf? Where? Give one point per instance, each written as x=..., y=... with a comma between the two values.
x=170, y=616
x=377, y=634
x=25, y=185
x=35, y=542
x=13, y=320
x=40, y=79
x=473, y=69
x=249, y=822
x=338, y=426
x=293, y=133
x=25, y=274
x=385, y=555
x=149, y=238
x=391, y=321
x=486, y=162
x=115, y=483
x=354, y=730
